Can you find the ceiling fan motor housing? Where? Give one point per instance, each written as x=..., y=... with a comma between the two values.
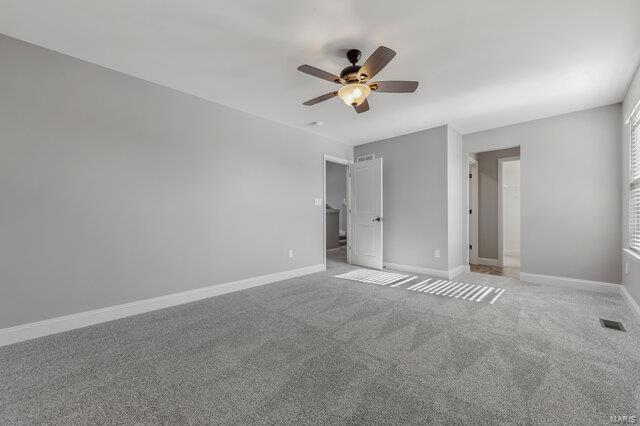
x=350, y=73
x=353, y=55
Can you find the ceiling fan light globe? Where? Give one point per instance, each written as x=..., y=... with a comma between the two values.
x=354, y=93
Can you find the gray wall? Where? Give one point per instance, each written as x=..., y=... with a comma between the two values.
x=115, y=189
x=631, y=280
x=415, y=197
x=337, y=190
x=570, y=186
x=488, y=200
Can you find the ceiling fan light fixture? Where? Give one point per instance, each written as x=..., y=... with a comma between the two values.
x=354, y=94
x=355, y=80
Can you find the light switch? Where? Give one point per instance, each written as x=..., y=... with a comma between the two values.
x=318, y=201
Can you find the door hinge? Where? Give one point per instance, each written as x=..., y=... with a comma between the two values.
x=470, y=176
x=470, y=247
x=470, y=211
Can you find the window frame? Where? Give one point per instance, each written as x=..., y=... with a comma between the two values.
x=634, y=183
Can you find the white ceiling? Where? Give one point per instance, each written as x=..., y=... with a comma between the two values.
x=480, y=64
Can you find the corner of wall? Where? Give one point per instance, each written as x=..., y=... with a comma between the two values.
x=456, y=201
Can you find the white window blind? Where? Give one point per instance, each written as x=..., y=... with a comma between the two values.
x=634, y=183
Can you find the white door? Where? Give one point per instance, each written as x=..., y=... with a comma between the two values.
x=366, y=223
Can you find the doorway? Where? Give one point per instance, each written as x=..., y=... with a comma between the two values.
x=357, y=238
x=494, y=212
x=336, y=211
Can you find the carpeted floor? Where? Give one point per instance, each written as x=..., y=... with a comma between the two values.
x=318, y=349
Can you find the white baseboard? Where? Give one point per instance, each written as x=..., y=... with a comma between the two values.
x=440, y=273
x=32, y=330
x=514, y=253
x=457, y=271
x=630, y=301
x=571, y=282
x=488, y=262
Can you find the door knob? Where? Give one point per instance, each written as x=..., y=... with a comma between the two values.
x=377, y=219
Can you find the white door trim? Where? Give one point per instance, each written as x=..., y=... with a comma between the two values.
x=338, y=160
x=501, y=161
x=472, y=204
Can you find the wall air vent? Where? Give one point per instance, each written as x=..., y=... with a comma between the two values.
x=365, y=157
x=614, y=325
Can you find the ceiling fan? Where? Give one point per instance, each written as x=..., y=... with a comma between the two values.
x=355, y=79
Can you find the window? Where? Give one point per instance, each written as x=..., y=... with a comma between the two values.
x=634, y=183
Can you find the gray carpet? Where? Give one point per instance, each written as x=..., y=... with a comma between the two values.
x=317, y=349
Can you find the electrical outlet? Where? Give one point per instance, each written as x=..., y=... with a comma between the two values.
x=290, y=253
x=318, y=201
x=436, y=254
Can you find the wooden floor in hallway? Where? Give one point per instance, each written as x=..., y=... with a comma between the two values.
x=502, y=271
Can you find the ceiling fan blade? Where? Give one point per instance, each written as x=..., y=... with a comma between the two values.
x=363, y=107
x=320, y=98
x=378, y=60
x=394, y=86
x=317, y=72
